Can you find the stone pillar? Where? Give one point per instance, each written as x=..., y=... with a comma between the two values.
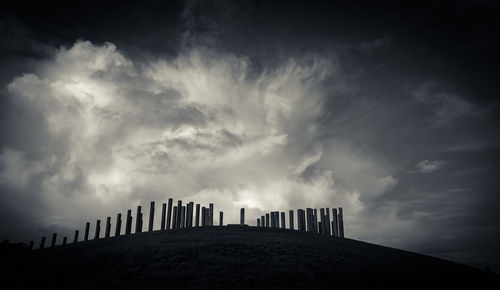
x=197, y=216
x=310, y=219
x=327, y=222
x=221, y=218
x=290, y=216
x=42, y=243
x=322, y=228
x=335, y=227
x=179, y=209
x=65, y=240
x=75, y=238
x=283, y=226
x=118, y=228
x=267, y=220
x=128, y=222
x=163, y=216
x=211, y=217
x=315, y=221
x=151, y=216
x=183, y=217
x=87, y=228
x=203, y=214
x=169, y=213
x=53, y=242
x=97, y=229
x=138, y=220
x=341, y=223
x=107, y=232
x=174, y=218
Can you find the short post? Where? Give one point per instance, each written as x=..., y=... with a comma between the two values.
x=31, y=245
x=65, y=240
x=327, y=222
x=128, y=224
x=242, y=216
x=221, y=218
x=163, y=216
x=267, y=220
x=310, y=220
x=183, y=217
x=277, y=216
x=211, y=217
x=290, y=216
x=151, y=216
x=53, y=242
x=138, y=220
x=263, y=221
x=179, y=209
x=341, y=223
x=335, y=227
x=118, y=228
x=197, y=215
x=283, y=226
x=87, y=228
x=174, y=218
x=97, y=229
x=42, y=243
x=169, y=213
x=108, y=227
x=258, y=222
x=75, y=238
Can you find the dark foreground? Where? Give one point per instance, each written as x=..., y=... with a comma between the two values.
x=232, y=258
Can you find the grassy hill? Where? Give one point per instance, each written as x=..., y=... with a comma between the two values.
x=233, y=258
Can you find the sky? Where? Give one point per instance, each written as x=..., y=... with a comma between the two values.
x=388, y=110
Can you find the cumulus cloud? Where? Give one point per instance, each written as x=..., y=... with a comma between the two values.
x=428, y=166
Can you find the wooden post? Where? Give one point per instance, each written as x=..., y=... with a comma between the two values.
x=263, y=221
x=242, y=216
x=42, y=243
x=75, y=238
x=335, y=227
x=128, y=223
x=97, y=229
x=138, y=220
x=211, y=217
x=87, y=228
x=203, y=214
x=283, y=226
x=277, y=223
x=315, y=221
x=118, y=228
x=322, y=230
x=108, y=227
x=290, y=216
x=267, y=220
x=341, y=223
x=197, y=215
x=189, y=218
x=179, y=209
x=53, y=242
x=310, y=220
x=183, y=217
x=301, y=218
x=65, y=240
x=327, y=222
x=221, y=218
x=174, y=218
x=258, y=222
x=151, y=216
x=169, y=213
x=163, y=216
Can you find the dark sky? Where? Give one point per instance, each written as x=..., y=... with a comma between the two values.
x=388, y=110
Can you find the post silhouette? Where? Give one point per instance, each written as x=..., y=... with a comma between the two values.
x=197, y=216
x=322, y=229
x=211, y=214
x=174, y=218
x=290, y=216
x=301, y=219
x=203, y=215
x=263, y=221
x=138, y=220
x=42, y=243
x=128, y=223
x=53, y=242
x=221, y=218
x=315, y=221
x=242, y=216
x=87, y=228
x=310, y=219
x=75, y=238
x=97, y=229
x=189, y=213
x=267, y=220
x=151, y=216
x=108, y=227
x=341, y=223
x=335, y=227
x=178, y=219
x=118, y=228
x=258, y=222
x=283, y=220
x=169, y=213
x=183, y=217
x=163, y=216
x=65, y=240
x=327, y=222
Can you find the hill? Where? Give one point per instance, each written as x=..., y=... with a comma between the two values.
x=233, y=258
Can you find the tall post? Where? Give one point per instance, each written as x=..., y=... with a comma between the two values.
x=169, y=213
x=221, y=218
x=263, y=221
x=322, y=229
x=211, y=217
x=341, y=223
x=108, y=227
x=290, y=216
x=87, y=228
x=174, y=218
x=128, y=223
x=53, y=242
x=189, y=213
x=283, y=226
x=179, y=209
x=138, y=220
x=42, y=243
x=163, y=215
x=258, y=222
x=335, y=227
x=327, y=222
x=97, y=229
x=203, y=216
x=118, y=228
x=75, y=238
x=197, y=215
x=183, y=217
x=309, y=213
x=315, y=221
x=267, y=220
x=151, y=216
x=242, y=216
x=65, y=240
x=301, y=219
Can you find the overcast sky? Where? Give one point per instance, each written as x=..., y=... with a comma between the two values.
x=389, y=111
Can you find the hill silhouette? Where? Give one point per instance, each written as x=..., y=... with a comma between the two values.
x=233, y=257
